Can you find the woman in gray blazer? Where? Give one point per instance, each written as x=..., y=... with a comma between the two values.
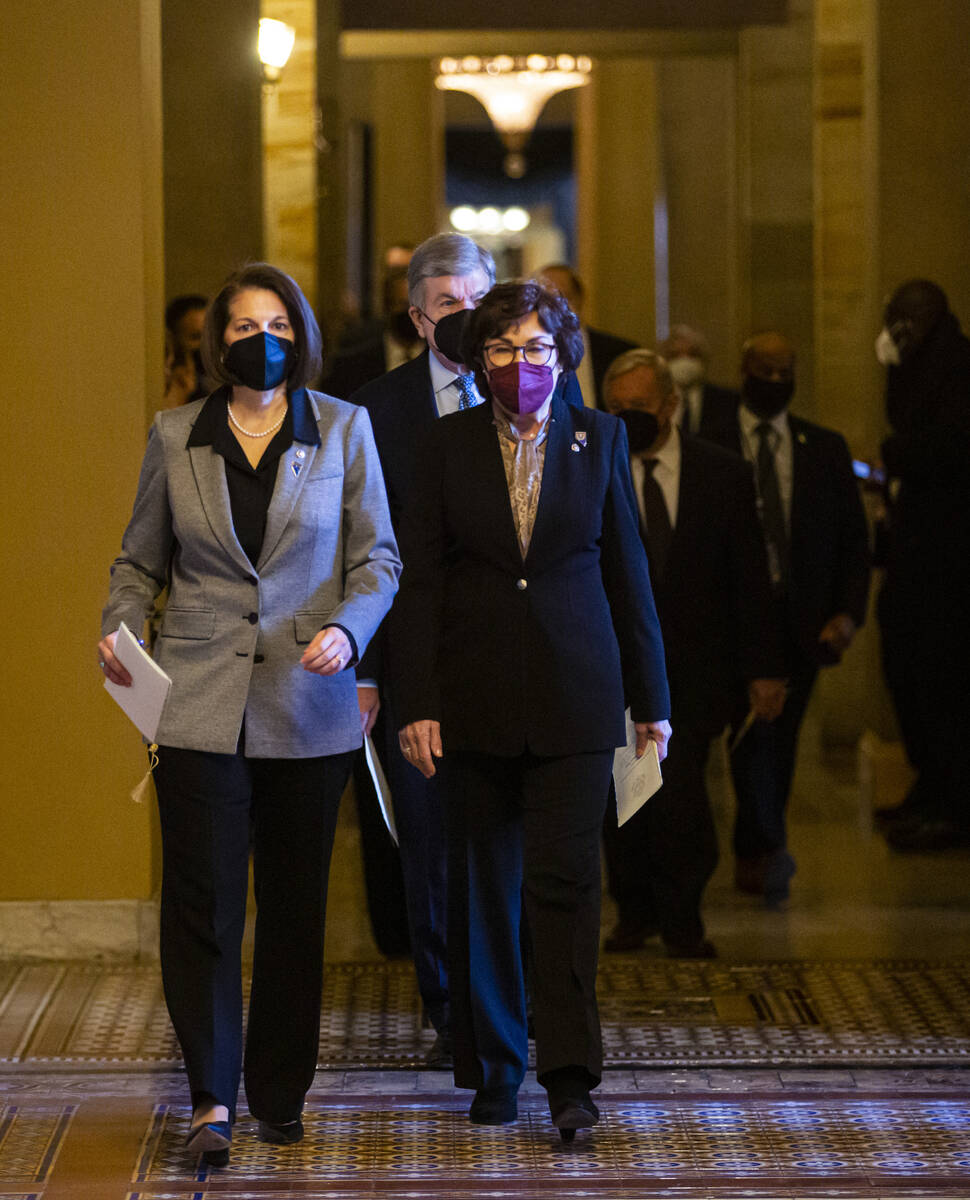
x=262, y=508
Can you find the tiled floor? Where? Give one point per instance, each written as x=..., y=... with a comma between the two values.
x=79, y=1126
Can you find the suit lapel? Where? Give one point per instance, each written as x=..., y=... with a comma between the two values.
x=495, y=494
x=210, y=478
x=291, y=475
x=567, y=428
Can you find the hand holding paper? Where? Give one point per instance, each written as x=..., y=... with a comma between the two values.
x=144, y=699
x=635, y=779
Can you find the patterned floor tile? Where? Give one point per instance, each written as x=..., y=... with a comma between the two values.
x=656, y=1013
x=30, y=1139
x=755, y=1142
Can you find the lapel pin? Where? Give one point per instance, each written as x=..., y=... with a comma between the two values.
x=580, y=436
x=574, y=447
x=802, y=438
x=296, y=467
x=300, y=453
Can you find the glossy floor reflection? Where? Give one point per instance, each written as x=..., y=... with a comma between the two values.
x=109, y=1132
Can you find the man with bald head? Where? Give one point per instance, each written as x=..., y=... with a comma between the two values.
x=817, y=542
x=699, y=525
x=704, y=405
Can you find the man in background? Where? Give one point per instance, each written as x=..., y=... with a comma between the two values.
x=600, y=347
x=817, y=542
x=703, y=404
x=709, y=572
x=447, y=274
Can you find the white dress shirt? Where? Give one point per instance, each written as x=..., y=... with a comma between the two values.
x=666, y=473
x=446, y=395
x=750, y=441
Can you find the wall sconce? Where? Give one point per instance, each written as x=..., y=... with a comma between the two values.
x=513, y=91
x=275, y=46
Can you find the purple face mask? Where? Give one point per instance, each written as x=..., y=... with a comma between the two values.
x=520, y=387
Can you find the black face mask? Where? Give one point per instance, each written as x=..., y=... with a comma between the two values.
x=401, y=326
x=448, y=333
x=767, y=397
x=642, y=428
x=260, y=362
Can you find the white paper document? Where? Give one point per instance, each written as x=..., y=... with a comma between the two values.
x=145, y=699
x=635, y=779
x=380, y=786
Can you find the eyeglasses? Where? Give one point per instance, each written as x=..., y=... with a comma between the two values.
x=536, y=354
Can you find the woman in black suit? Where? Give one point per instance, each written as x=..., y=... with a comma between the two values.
x=524, y=625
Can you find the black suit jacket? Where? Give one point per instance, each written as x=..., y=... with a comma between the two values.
x=720, y=622
x=829, y=543
x=539, y=654
x=354, y=365
x=603, y=348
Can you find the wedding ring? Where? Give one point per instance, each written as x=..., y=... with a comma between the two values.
x=101, y=664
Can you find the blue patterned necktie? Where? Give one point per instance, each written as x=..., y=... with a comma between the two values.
x=467, y=396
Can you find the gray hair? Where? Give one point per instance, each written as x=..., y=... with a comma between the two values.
x=631, y=360
x=693, y=337
x=446, y=254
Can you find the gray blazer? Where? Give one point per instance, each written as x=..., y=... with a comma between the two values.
x=231, y=636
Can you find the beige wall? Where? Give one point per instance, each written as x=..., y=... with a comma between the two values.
x=81, y=210
x=289, y=155
x=212, y=92
x=617, y=159
x=698, y=113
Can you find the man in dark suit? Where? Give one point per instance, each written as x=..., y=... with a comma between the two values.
x=600, y=348
x=447, y=273
x=925, y=596
x=704, y=405
x=709, y=572
x=817, y=541
x=376, y=346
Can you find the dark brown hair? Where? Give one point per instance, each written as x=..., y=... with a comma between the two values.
x=508, y=303
x=308, y=359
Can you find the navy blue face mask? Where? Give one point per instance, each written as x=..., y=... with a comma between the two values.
x=260, y=362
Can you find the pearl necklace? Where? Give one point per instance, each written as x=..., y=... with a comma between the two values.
x=249, y=432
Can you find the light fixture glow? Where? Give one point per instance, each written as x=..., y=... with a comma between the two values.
x=464, y=219
x=513, y=91
x=275, y=46
x=515, y=219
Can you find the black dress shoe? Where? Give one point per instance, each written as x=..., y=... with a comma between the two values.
x=570, y=1104
x=494, y=1106
x=701, y=949
x=778, y=869
x=288, y=1133
x=439, y=1056
x=628, y=935
x=211, y=1139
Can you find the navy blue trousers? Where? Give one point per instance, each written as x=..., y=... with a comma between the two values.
x=524, y=830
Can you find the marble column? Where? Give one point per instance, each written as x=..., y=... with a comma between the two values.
x=619, y=184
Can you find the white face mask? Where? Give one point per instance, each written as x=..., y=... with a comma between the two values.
x=686, y=370
x=887, y=352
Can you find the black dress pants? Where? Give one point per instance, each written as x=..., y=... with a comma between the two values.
x=660, y=861
x=762, y=767
x=420, y=821
x=524, y=830
x=209, y=804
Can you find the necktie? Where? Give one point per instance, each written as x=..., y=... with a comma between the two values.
x=658, y=530
x=467, y=396
x=772, y=512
